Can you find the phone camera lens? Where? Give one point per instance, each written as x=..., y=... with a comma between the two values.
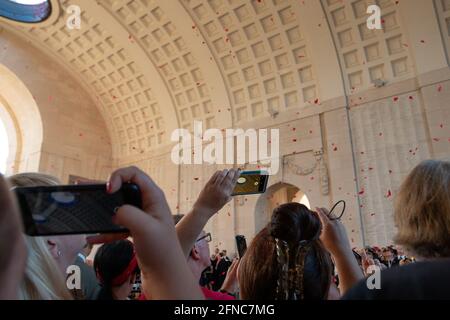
x=241, y=180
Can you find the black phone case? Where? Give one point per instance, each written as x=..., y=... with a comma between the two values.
x=130, y=193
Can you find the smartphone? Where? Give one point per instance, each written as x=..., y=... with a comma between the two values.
x=251, y=182
x=241, y=244
x=73, y=209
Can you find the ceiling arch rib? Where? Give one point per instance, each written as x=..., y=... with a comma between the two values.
x=147, y=99
x=211, y=72
x=261, y=52
x=149, y=25
x=320, y=42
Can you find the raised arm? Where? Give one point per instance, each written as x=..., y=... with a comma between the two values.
x=162, y=263
x=214, y=196
x=335, y=240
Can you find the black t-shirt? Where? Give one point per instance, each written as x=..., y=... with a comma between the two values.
x=428, y=280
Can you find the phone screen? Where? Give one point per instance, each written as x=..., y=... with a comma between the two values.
x=251, y=182
x=80, y=209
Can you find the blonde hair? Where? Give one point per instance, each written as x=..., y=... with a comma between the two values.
x=43, y=279
x=422, y=210
x=33, y=179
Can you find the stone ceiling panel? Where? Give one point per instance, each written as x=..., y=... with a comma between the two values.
x=261, y=52
x=369, y=55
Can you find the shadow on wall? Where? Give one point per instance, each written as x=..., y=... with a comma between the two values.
x=276, y=195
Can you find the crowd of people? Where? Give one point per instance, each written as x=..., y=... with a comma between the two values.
x=301, y=254
x=214, y=275
x=382, y=257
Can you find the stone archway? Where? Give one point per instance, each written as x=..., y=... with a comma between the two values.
x=8, y=132
x=22, y=120
x=276, y=195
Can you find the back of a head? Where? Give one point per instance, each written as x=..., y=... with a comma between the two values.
x=286, y=260
x=42, y=280
x=33, y=179
x=371, y=251
x=111, y=262
x=422, y=210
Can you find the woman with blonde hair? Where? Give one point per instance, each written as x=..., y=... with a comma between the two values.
x=43, y=279
x=422, y=217
x=422, y=211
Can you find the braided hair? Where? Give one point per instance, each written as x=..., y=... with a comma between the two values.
x=286, y=260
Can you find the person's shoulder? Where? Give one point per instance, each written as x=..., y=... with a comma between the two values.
x=421, y=280
x=436, y=268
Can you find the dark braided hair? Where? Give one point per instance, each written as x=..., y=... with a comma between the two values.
x=286, y=260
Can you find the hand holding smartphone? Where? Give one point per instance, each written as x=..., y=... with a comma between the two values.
x=73, y=209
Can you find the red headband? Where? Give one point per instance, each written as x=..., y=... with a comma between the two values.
x=121, y=278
